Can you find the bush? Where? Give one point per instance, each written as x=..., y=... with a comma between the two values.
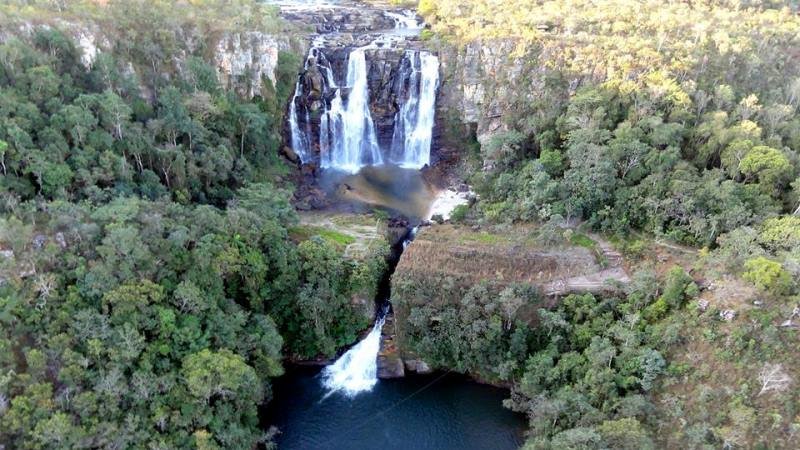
x=781, y=233
x=767, y=275
x=459, y=214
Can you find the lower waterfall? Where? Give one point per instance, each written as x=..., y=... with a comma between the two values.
x=357, y=370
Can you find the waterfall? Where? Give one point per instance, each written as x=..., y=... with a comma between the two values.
x=335, y=122
x=349, y=141
x=299, y=144
x=300, y=140
x=357, y=370
x=411, y=235
x=413, y=128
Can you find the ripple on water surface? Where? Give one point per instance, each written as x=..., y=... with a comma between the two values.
x=418, y=412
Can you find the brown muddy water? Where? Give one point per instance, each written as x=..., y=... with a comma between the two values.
x=393, y=188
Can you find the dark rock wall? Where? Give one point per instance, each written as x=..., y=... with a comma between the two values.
x=385, y=81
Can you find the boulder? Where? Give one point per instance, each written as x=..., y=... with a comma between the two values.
x=390, y=366
x=418, y=366
x=290, y=154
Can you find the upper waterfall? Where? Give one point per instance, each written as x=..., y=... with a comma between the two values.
x=347, y=133
x=413, y=127
x=332, y=124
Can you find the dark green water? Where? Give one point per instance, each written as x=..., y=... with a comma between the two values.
x=421, y=412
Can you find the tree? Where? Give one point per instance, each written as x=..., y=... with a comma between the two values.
x=580, y=438
x=78, y=121
x=780, y=233
x=773, y=378
x=3, y=148
x=267, y=203
x=769, y=165
x=625, y=434
x=250, y=121
x=222, y=374
x=114, y=114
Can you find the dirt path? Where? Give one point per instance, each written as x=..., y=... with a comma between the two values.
x=603, y=281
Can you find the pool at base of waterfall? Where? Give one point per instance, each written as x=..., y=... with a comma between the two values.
x=433, y=411
x=390, y=187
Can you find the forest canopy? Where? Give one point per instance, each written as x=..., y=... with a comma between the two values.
x=149, y=283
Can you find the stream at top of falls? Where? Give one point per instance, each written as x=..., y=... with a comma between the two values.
x=344, y=405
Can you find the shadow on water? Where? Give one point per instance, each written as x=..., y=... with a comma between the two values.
x=438, y=411
x=401, y=191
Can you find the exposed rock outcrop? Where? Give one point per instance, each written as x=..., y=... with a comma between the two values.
x=445, y=261
x=342, y=17
x=481, y=81
x=390, y=365
x=245, y=60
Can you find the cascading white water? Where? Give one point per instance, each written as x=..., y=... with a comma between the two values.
x=357, y=370
x=405, y=20
x=348, y=140
x=299, y=144
x=413, y=129
x=411, y=235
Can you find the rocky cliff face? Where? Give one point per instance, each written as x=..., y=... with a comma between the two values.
x=245, y=61
x=445, y=261
x=481, y=81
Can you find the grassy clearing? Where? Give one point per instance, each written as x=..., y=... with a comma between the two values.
x=582, y=240
x=305, y=232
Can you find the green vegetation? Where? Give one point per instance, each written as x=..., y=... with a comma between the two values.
x=335, y=237
x=582, y=373
x=660, y=125
x=158, y=321
x=131, y=124
x=149, y=287
x=645, y=122
x=582, y=240
x=154, y=275
x=767, y=275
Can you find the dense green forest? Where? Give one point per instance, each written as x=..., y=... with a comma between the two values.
x=149, y=285
x=649, y=122
x=642, y=119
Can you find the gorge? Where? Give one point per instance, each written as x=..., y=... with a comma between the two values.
x=331, y=126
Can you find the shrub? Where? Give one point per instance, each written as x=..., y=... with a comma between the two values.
x=767, y=275
x=459, y=213
x=781, y=233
